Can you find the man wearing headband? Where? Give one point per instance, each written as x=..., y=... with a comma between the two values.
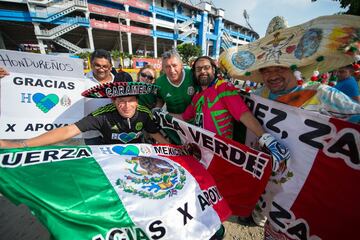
x=120, y=123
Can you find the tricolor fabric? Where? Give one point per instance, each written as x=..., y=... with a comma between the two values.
x=241, y=173
x=114, y=191
x=214, y=108
x=317, y=196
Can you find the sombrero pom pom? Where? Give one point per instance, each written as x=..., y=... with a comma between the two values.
x=324, y=78
x=315, y=76
x=356, y=66
x=298, y=77
x=332, y=80
x=357, y=58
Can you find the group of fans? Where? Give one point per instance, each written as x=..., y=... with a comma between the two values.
x=198, y=95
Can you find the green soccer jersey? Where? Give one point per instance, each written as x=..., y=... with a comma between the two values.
x=147, y=100
x=177, y=98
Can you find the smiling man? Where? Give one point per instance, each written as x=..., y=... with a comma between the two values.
x=101, y=73
x=218, y=105
x=176, y=85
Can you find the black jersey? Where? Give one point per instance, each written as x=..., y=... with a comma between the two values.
x=117, y=129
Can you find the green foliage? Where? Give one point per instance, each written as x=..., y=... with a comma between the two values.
x=352, y=5
x=115, y=54
x=187, y=50
x=83, y=55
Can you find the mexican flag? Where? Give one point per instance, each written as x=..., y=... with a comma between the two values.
x=135, y=191
x=240, y=172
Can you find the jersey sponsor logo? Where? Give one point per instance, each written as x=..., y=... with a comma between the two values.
x=191, y=91
x=115, y=128
x=125, y=137
x=168, y=95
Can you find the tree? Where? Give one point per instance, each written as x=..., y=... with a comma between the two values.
x=116, y=56
x=86, y=58
x=352, y=5
x=187, y=50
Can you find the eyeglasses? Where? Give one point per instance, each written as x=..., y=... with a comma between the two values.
x=98, y=66
x=149, y=77
x=200, y=68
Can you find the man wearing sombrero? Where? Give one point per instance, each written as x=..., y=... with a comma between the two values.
x=120, y=123
x=285, y=57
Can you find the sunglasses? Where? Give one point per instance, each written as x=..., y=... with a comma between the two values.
x=147, y=76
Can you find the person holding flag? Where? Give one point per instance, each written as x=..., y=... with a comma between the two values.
x=218, y=104
x=120, y=123
x=287, y=57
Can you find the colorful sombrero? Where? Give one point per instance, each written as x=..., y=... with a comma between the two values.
x=120, y=89
x=322, y=44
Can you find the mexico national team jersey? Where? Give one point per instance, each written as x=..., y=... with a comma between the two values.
x=117, y=129
x=177, y=98
x=216, y=108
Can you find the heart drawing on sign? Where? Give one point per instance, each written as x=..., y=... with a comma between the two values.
x=45, y=102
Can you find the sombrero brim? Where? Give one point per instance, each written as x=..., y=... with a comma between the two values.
x=321, y=44
x=120, y=89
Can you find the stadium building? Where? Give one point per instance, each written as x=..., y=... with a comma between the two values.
x=138, y=27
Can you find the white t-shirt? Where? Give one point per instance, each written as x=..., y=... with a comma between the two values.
x=91, y=104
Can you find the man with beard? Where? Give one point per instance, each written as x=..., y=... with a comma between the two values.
x=218, y=104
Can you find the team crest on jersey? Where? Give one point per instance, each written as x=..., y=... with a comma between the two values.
x=152, y=178
x=190, y=90
x=139, y=126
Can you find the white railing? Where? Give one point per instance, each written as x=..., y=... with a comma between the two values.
x=71, y=24
x=185, y=34
x=184, y=25
x=68, y=45
x=59, y=10
x=227, y=40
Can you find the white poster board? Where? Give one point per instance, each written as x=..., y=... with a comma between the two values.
x=41, y=93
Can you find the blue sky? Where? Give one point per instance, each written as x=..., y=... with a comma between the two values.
x=262, y=11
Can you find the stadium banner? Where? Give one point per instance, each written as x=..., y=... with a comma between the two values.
x=41, y=93
x=315, y=197
x=107, y=11
x=241, y=173
x=134, y=3
x=116, y=27
x=135, y=191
